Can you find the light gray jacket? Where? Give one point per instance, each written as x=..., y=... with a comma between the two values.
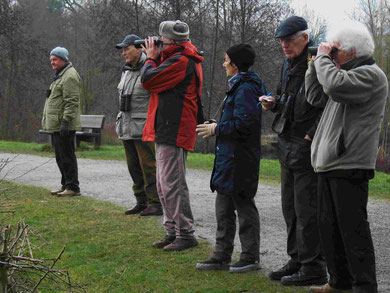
x=355, y=96
x=130, y=124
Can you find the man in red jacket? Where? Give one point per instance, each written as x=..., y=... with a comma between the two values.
x=174, y=79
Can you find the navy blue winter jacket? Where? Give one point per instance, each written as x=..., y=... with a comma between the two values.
x=237, y=153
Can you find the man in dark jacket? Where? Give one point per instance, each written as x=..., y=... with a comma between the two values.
x=295, y=122
x=236, y=166
x=130, y=122
x=61, y=116
x=174, y=79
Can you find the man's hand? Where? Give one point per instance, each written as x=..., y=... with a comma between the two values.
x=151, y=50
x=324, y=48
x=307, y=137
x=64, y=128
x=267, y=102
x=206, y=130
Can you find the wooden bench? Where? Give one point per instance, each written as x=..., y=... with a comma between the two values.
x=91, y=130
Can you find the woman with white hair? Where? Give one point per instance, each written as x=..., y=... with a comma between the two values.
x=354, y=92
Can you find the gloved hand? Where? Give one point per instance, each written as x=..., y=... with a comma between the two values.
x=206, y=130
x=64, y=128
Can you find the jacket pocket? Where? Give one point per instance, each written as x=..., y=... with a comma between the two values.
x=340, y=145
x=298, y=153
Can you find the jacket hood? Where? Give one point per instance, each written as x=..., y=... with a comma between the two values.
x=249, y=76
x=185, y=48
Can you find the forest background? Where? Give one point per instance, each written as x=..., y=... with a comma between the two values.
x=89, y=29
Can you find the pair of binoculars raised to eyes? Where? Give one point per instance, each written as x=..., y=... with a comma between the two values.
x=313, y=50
x=138, y=43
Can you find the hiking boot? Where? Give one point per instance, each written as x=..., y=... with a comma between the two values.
x=68, y=192
x=327, y=289
x=181, y=244
x=243, y=266
x=164, y=242
x=139, y=207
x=152, y=211
x=213, y=264
x=288, y=269
x=301, y=278
x=55, y=192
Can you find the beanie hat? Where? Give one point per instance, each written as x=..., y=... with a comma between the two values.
x=242, y=55
x=60, y=52
x=129, y=40
x=290, y=26
x=174, y=30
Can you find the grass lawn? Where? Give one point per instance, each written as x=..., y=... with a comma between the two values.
x=107, y=251
x=269, y=169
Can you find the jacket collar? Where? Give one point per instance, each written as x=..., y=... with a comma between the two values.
x=61, y=72
x=357, y=62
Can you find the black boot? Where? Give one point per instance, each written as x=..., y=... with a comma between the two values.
x=139, y=207
x=290, y=268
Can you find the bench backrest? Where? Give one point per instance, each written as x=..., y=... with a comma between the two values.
x=93, y=121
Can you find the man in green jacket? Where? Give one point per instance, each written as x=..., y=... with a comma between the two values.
x=61, y=116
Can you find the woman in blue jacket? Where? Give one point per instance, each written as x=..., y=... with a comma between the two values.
x=236, y=165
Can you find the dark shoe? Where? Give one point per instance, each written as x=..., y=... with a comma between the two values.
x=139, y=207
x=243, y=266
x=213, y=264
x=181, y=244
x=68, y=192
x=164, y=242
x=304, y=279
x=152, y=211
x=327, y=289
x=288, y=269
x=55, y=192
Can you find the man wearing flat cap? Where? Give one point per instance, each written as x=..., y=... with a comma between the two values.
x=295, y=123
x=130, y=122
x=174, y=78
x=236, y=166
x=61, y=116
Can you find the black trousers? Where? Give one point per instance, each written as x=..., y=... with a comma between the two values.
x=299, y=206
x=249, y=227
x=66, y=160
x=344, y=230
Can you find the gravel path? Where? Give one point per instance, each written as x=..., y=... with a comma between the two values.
x=110, y=181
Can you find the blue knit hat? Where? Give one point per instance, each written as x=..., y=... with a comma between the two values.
x=60, y=52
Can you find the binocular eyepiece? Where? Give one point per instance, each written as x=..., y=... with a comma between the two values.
x=138, y=43
x=313, y=50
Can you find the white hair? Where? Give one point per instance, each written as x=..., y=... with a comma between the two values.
x=352, y=35
x=300, y=33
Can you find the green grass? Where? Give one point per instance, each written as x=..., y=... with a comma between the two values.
x=269, y=169
x=107, y=251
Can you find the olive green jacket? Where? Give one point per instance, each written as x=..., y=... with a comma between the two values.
x=64, y=101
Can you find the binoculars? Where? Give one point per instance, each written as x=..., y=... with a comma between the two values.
x=138, y=43
x=313, y=50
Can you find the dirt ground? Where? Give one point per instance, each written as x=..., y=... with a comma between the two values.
x=110, y=181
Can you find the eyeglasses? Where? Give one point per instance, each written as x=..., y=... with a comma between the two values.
x=334, y=51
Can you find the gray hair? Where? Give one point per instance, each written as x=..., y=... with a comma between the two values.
x=352, y=35
x=300, y=33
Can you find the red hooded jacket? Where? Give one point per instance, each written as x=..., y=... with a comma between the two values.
x=175, y=83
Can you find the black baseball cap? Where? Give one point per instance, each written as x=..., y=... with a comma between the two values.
x=129, y=40
x=290, y=26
